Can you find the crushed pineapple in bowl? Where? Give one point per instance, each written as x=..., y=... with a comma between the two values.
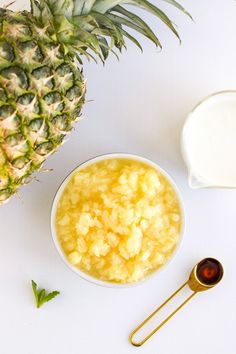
x=117, y=219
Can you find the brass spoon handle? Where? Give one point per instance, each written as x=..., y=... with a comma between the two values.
x=138, y=344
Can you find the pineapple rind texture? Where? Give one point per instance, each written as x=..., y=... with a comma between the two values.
x=42, y=91
x=42, y=88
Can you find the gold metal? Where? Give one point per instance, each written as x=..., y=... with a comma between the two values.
x=194, y=284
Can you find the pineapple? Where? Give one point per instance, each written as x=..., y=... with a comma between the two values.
x=42, y=88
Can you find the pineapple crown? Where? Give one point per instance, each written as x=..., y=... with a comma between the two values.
x=85, y=27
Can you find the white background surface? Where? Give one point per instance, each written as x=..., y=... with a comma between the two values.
x=140, y=105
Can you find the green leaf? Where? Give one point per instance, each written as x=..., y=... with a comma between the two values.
x=81, y=24
x=35, y=8
x=34, y=287
x=70, y=8
x=51, y=295
x=113, y=52
x=61, y=7
x=85, y=22
x=179, y=7
x=125, y=22
x=132, y=39
x=70, y=33
x=146, y=5
x=103, y=6
x=104, y=22
x=139, y=22
x=78, y=7
x=104, y=47
x=87, y=6
x=41, y=296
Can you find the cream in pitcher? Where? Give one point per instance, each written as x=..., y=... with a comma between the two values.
x=209, y=142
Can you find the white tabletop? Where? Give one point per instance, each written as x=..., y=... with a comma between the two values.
x=139, y=106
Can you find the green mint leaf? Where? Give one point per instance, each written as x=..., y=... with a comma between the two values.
x=41, y=296
x=34, y=287
x=51, y=295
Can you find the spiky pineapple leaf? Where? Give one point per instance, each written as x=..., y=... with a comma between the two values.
x=139, y=22
x=132, y=39
x=179, y=7
x=122, y=21
x=104, y=22
x=104, y=47
x=146, y=5
x=109, y=18
x=103, y=6
x=84, y=6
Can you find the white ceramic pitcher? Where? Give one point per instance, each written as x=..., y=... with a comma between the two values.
x=209, y=142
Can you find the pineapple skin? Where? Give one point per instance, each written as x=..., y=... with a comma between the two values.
x=42, y=91
x=42, y=88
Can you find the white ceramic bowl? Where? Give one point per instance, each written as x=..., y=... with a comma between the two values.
x=58, y=196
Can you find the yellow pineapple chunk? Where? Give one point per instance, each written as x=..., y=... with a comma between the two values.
x=74, y=258
x=118, y=220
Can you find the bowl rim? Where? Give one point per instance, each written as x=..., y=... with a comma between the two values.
x=59, y=192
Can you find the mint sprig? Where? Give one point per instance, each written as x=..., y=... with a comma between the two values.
x=41, y=296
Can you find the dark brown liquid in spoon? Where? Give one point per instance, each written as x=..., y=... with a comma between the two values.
x=209, y=271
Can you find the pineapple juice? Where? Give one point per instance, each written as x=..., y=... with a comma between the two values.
x=118, y=220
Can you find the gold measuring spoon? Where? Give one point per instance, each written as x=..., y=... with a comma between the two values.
x=205, y=275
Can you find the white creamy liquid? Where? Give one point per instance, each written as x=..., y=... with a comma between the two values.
x=209, y=141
